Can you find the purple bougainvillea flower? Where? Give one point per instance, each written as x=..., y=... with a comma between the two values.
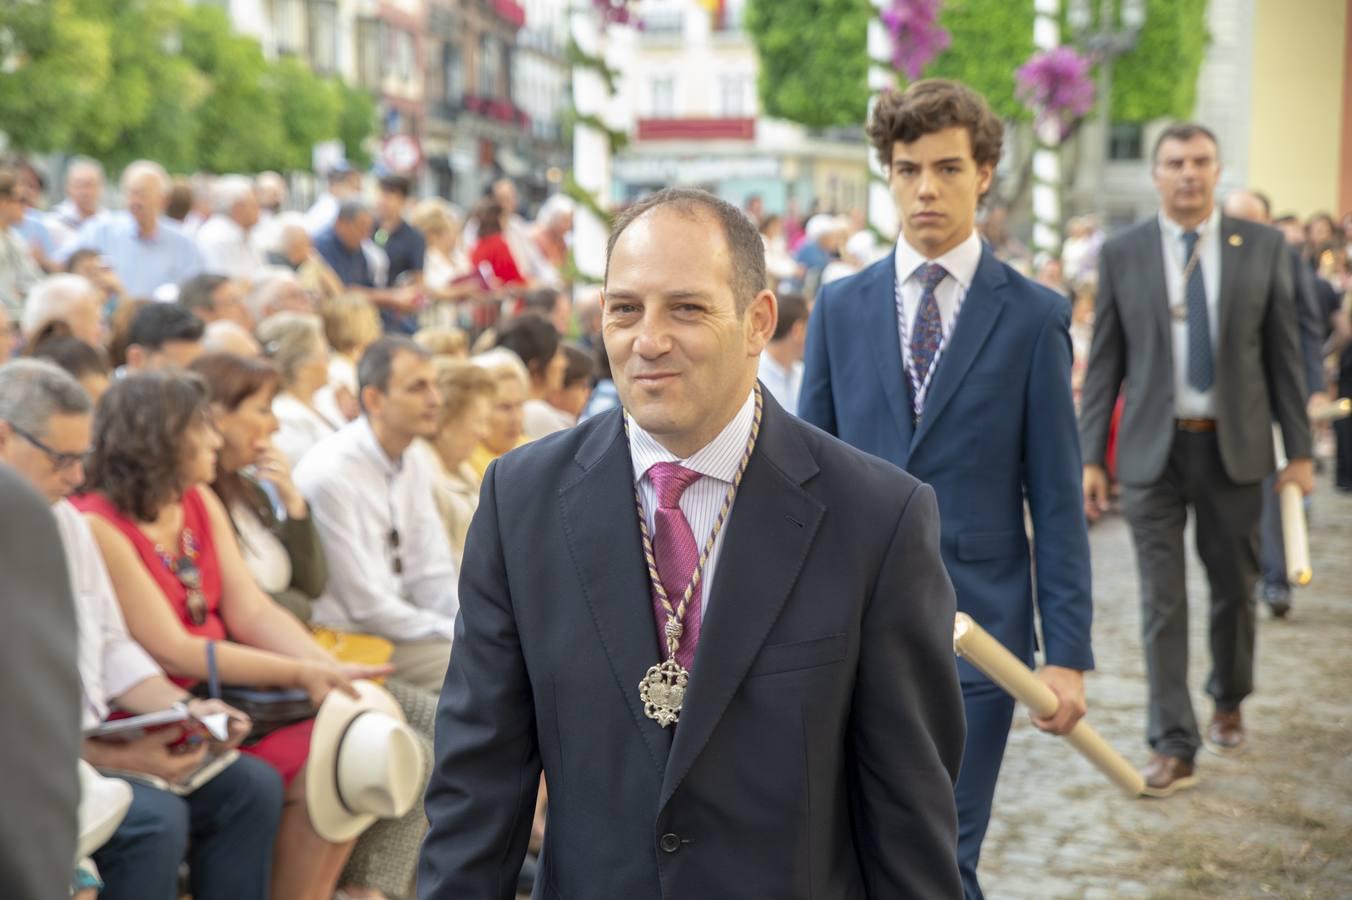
x=1056, y=86
x=916, y=35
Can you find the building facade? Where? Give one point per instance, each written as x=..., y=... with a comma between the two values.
x=688, y=90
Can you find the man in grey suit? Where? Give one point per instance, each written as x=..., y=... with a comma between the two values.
x=41, y=700
x=1195, y=313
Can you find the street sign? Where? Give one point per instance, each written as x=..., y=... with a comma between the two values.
x=401, y=153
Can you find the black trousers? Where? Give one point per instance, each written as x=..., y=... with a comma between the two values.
x=1227, y=517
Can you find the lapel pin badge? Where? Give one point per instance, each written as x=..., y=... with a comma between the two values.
x=1236, y=240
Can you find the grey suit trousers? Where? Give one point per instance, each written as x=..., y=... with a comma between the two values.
x=1227, y=517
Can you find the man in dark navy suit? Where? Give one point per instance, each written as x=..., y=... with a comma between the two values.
x=802, y=733
x=950, y=364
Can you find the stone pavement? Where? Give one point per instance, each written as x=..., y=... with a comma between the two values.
x=1275, y=822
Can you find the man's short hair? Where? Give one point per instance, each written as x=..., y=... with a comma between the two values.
x=792, y=310
x=198, y=292
x=396, y=184
x=541, y=300
x=84, y=162
x=32, y=391
x=145, y=167
x=156, y=324
x=533, y=338
x=930, y=105
x=73, y=355
x=51, y=300
x=73, y=261
x=744, y=241
x=378, y=362
x=1286, y=219
x=229, y=190
x=350, y=210
x=581, y=366
x=1183, y=131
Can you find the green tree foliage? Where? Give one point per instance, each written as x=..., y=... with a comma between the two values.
x=122, y=79
x=356, y=123
x=813, y=59
x=146, y=105
x=1158, y=78
x=51, y=59
x=991, y=38
x=239, y=124
x=311, y=108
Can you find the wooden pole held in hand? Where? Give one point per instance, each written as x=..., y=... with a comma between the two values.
x=974, y=644
x=1295, y=533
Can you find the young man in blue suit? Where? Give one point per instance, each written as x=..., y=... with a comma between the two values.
x=946, y=362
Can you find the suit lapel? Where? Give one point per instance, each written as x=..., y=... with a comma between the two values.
x=772, y=526
x=880, y=313
x=980, y=308
x=1232, y=258
x=601, y=528
x=1156, y=291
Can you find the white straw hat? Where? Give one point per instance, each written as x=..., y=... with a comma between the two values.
x=365, y=763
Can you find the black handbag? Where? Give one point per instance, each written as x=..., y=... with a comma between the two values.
x=269, y=709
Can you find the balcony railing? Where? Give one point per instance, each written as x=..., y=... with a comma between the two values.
x=697, y=129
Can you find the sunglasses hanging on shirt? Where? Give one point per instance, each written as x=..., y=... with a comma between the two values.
x=397, y=562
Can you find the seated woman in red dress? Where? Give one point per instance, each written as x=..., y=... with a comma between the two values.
x=491, y=244
x=181, y=581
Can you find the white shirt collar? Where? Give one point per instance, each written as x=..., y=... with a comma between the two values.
x=1175, y=231
x=961, y=262
x=366, y=440
x=717, y=459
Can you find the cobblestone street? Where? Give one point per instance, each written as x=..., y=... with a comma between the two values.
x=1275, y=822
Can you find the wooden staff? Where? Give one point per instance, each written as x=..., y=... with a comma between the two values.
x=1333, y=410
x=1295, y=533
x=974, y=644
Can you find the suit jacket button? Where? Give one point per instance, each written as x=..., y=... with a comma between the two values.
x=670, y=843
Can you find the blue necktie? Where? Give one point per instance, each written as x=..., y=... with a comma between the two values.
x=928, y=332
x=1201, y=367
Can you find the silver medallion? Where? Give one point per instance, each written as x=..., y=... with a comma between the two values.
x=662, y=691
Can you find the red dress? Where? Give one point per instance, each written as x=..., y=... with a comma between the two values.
x=495, y=251
x=285, y=749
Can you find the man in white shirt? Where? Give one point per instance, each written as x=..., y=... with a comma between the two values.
x=84, y=199
x=781, y=365
x=45, y=426
x=391, y=572
x=225, y=240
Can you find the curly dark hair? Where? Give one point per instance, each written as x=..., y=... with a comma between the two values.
x=139, y=435
x=931, y=105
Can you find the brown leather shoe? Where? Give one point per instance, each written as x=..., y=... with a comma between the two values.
x=1225, y=734
x=1167, y=775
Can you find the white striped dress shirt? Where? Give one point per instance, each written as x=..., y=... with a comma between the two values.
x=717, y=461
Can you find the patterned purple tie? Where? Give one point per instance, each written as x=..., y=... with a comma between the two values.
x=677, y=555
x=929, y=327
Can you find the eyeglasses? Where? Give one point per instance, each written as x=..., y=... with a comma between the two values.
x=60, y=460
x=393, y=539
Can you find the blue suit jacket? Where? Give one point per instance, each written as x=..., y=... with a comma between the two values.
x=998, y=426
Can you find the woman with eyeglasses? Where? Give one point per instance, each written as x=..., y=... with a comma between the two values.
x=182, y=582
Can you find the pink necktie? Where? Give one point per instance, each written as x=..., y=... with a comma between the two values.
x=677, y=555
